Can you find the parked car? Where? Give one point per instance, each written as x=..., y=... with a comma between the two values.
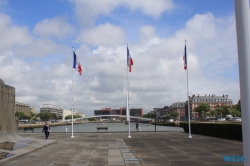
x=237, y=119
x=221, y=120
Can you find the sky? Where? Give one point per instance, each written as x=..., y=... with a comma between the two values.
x=38, y=39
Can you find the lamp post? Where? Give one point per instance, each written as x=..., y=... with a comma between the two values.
x=155, y=120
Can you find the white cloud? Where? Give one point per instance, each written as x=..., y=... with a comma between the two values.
x=11, y=35
x=88, y=10
x=103, y=35
x=41, y=48
x=146, y=32
x=151, y=8
x=54, y=27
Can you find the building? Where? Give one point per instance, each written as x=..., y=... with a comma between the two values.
x=66, y=113
x=179, y=107
x=81, y=114
x=21, y=107
x=121, y=111
x=52, y=109
x=33, y=110
x=213, y=100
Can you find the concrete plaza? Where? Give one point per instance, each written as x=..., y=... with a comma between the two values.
x=144, y=148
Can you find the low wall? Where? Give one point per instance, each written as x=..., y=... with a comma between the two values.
x=222, y=130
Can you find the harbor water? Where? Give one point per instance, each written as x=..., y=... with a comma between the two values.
x=112, y=127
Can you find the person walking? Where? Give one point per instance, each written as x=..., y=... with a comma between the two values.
x=46, y=130
x=137, y=125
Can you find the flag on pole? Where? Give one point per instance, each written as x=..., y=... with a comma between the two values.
x=185, y=58
x=79, y=66
x=129, y=60
x=76, y=63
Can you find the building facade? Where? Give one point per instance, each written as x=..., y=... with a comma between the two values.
x=21, y=107
x=52, y=109
x=213, y=100
x=179, y=107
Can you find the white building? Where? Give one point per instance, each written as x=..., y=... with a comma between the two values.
x=51, y=109
x=66, y=113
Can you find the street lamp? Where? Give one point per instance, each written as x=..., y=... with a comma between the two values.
x=155, y=120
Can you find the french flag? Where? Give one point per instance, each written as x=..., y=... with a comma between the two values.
x=185, y=58
x=129, y=60
x=76, y=63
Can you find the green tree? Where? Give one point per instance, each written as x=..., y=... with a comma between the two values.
x=68, y=117
x=202, y=108
x=236, y=113
x=222, y=111
x=32, y=114
x=174, y=114
x=59, y=117
x=20, y=115
x=213, y=113
x=167, y=116
x=91, y=119
x=44, y=116
x=238, y=106
x=53, y=116
x=145, y=115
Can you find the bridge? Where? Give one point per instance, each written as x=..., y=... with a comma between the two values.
x=99, y=116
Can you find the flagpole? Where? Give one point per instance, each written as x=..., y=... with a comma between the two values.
x=243, y=42
x=128, y=112
x=189, y=128
x=72, y=136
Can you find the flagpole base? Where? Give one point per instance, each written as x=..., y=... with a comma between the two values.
x=72, y=136
x=189, y=136
x=129, y=136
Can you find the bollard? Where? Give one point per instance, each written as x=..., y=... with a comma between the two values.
x=139, y=128
x=66, y=130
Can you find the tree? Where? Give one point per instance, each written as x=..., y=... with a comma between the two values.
x=167, y=116
x=91, y=119
x=53, y=116
x=44, y=116
x=32, y=114
x=68, y=117
x=222, y=111
x=238, y=106
x=213, y=113
x=59, y=117
x=236, y=113
x=174, y=114
x=20, y=115
x=203, y=107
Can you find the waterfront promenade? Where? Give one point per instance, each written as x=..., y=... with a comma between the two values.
x=144, y=148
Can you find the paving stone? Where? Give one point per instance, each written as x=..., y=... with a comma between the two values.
x=153, y=148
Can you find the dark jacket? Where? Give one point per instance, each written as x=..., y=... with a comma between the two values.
x=46, y=128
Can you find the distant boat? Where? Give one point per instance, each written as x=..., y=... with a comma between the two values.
x=147, y=124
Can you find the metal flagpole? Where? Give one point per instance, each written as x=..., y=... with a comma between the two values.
x=72, y=136
x=128, y=112
x=243, y=43
x=189, y=128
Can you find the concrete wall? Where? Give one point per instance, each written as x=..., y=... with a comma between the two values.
x=8, y=124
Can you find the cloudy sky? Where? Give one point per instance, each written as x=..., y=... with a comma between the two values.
x=37, y=39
